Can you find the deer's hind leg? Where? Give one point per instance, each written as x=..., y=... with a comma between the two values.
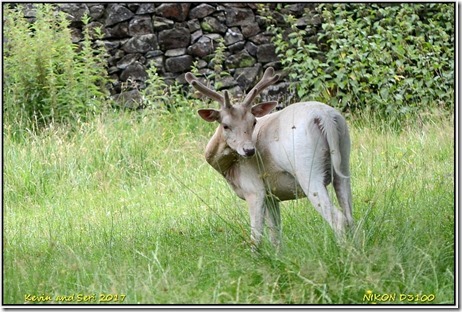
x=342, y=188
x=314, y=187
x=319, y=198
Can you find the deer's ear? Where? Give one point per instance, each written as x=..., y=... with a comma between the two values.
x=209, y=115
x=264, y=108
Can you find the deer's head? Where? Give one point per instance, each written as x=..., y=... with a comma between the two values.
x=237, y=121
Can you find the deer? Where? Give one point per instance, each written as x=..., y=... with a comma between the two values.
x=268, y=157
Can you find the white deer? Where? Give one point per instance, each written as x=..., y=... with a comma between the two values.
x=268, y=158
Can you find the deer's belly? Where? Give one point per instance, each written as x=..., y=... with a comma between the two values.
x=283, y=186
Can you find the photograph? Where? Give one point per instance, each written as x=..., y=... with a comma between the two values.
x=230, y=155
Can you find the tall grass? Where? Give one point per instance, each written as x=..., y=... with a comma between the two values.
x=127, y=206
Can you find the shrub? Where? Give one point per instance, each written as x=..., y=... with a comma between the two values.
x=394, y=60
x=47, y=77
x=168, y=100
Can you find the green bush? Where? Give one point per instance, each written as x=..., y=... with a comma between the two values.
x=162, y=96
x=47, y=77
x=395, y=61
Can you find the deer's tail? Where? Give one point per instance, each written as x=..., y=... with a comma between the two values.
x=334, y=128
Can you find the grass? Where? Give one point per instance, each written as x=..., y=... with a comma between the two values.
x=125, y=210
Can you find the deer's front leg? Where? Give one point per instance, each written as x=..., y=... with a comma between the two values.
x=273, y=217
x=256, y=204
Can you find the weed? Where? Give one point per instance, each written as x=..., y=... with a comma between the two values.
x=50, y=79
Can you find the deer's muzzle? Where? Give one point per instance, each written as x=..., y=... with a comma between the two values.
x=248, y=150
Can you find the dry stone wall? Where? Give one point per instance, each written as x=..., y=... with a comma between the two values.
x=173, y=36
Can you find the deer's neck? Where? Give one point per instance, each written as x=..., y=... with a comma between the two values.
x=218, y=154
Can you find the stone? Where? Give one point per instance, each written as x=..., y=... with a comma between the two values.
x=296, y=8
x=133, y=6
x=201, y=64
x=116, y=14
x=316, y=20
x=238, y=16
x=214, y=37
x=181, y=79
x=179, y=63
x=111, y=45
x=276, y=65
x=236, y=47
x=250, y=29
x=99, y=44
x=120, y=30
x=146, y=8
x=273, y=92
x=233, y=35
x=193, y=25
x=220, y=17
x=239, y=60
x=175, y=52
x=140, y=25
x=251, y=48
x=196, y=35
x=266, y=53
x=115, y=57
x=96, y=11
x=160, y=23
x=116, y=85
x=235, y=4
x=141, y=44
x=201, y=11
x=203, y=47
x=112, y=70
x=129, y=59
x=129, y=99
x=92, y=29
x=225, y=83
x=205, y=72
x=157, y=62
x=247, y=77
x=261, y=21
x=261, y=38
x=76, y=35
x=236, y=92
x=134, y=71
x=212, y=25
x=154, y=53
x=75, y=11
x=29, y=10
x=175, y=11
x=174, y=38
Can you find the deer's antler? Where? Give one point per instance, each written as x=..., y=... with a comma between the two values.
x=224, y=101
x=268, y=79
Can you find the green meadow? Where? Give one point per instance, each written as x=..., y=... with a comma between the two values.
x=123, y=209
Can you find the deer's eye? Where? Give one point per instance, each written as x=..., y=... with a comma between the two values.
x=226, y=127
x=254, y=122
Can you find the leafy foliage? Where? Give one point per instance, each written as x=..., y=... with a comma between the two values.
x=48, y=77
x=396, y=61
x=168, y=99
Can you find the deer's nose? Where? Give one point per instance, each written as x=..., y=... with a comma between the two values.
x=249, y=151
